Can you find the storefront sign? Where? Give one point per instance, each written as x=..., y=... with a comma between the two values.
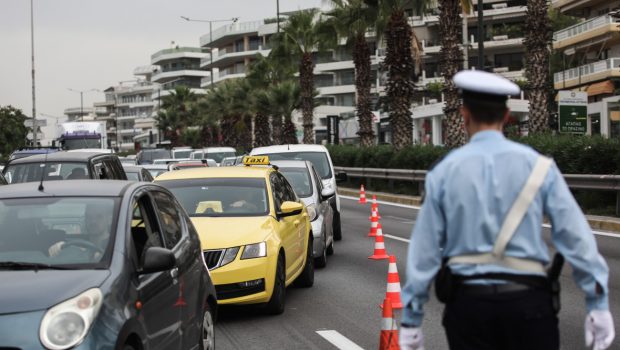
x=573, y=114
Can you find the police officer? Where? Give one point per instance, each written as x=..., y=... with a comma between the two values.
x=498, y=296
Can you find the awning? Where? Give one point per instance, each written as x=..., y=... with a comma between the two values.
x=604, y=87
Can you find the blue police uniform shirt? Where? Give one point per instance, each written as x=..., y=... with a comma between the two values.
x=469, y=193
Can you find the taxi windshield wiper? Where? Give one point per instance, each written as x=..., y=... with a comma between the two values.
x=20, y=265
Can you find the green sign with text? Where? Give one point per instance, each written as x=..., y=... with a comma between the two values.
x=573, y=113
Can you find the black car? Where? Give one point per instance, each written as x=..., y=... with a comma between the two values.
x=137, y=173
x=101, y=265
x=65, y=166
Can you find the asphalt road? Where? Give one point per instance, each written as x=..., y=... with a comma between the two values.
x=346, y=295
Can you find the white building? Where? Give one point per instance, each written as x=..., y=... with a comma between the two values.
x=178, y=66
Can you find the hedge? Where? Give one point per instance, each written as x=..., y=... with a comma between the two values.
x=573, y=154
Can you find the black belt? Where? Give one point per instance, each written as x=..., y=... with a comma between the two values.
x=492, y=289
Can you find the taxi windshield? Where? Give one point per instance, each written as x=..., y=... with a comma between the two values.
x=74, y=232
x=30, y=172
x=299, y=178
x=221, y=196
x=318, y=159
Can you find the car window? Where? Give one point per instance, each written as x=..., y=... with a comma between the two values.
x=289, y=192
x=99, y=168
x=277, y=190
x=169, y=219
x=30, y=172
x=299, y=178
x=146, y=176
x=144, y=227
x=131, y=176
x=318, y=159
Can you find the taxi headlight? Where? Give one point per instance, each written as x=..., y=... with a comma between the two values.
x=256, y=250
x=66, y=324
x=313, y=214
x=229, y=255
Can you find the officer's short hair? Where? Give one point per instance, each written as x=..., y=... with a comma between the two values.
x=485, y=108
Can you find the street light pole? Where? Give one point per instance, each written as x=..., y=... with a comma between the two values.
x=278, y=14
x=34, y=106
x=81, y=92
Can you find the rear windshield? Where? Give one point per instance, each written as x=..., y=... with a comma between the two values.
x=299, y=178
x=182, y=154
x=218, y=156
x=318, y=159
x=31, y=172
x=221, y=196
x=150, y=155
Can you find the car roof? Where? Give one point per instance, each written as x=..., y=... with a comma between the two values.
x=288, y=148
x=218, y=149
x=155, y=166
x=291, y=163
x=212, y=172
x=59, y=157
x=35, y=151
x=78, y=188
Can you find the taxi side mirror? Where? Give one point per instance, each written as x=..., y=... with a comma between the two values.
x=289, y=208
x=327, y=192
x=156, y=259
x=341, y=177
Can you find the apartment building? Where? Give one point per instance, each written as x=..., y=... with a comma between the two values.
x=177, y=66
x=591, y=58
x=80, y=113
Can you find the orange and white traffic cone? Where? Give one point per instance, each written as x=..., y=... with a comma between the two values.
x=374, y=207
x=374, y=224
x=362, y=195
x=379, y=253
x=388, y=340
x=393, y=285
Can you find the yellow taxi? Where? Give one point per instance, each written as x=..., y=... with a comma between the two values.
x=254, y=231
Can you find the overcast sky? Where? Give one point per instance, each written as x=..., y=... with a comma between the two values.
x=94, y=44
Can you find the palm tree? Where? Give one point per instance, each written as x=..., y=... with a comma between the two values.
x=177, y=113
x=537, y=42
x=450, y=58
x=353, y=19
x=285, y=99
x=302, y=34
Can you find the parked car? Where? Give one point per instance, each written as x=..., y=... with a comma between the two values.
x=255, y=232
x=101, y=265
x=147, y=156
x=155, y=169
x=319, y=156
x=181, y=152
x=65, y=166
x=187, y=164
x=215, y=153
x=309, y=188
x=31, y=151
x=127, y=161
x=137, y=173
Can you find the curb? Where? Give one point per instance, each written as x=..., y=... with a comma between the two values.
x=603, y=223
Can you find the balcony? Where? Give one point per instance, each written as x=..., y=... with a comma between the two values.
x=167, y=54
x=131, y=131
x=163, y=77
x=336, y=89
x=163, y=93
x=604, y=26
x=231, y=30
x=497, y=42
x=574, y=6
x=222, y=58
x=588, y=73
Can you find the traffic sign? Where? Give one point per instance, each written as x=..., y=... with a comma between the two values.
x=573, y=114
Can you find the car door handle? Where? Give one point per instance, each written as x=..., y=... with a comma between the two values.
x=296, y=222
x=174, y=273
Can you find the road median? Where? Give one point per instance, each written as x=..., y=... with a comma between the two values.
x=603, y=223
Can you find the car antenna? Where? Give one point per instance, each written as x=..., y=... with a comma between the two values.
x=288, y=146
x=43, y=171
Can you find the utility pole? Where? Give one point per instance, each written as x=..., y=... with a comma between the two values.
x=34, y=105
x=278, y=14
x=481, y=60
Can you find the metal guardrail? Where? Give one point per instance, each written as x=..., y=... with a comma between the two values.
x=574, y=181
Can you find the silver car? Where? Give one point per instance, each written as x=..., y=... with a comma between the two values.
x=306, y=182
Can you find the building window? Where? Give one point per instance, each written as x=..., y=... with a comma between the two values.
x=254, y=43
x=514, y=61
x=239, y=46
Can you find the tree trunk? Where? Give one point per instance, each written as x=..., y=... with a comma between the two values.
x=306, y=80
x=289, y=134
x=261, y=130
x=361, y=59
x=537, y=44
x=276, y=129
x=400, y=85
x=450, y=57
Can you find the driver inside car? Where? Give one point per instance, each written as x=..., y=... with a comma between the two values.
x=98, y=222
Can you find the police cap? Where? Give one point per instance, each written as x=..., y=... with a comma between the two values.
x=481, y=87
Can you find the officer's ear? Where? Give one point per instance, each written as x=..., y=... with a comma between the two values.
x=466, y=115
x=506, y=116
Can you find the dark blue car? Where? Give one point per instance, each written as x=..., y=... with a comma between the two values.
x=91, y=264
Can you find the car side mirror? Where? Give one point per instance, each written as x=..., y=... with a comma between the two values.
x=156, y=259
x=341, y=177
x=327, y=192
x=289, y=208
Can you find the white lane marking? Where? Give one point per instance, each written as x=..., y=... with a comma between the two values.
x=599, y=233
x=396, y=238
x=339, y=340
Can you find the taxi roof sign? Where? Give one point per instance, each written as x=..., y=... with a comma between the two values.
x=255, y=160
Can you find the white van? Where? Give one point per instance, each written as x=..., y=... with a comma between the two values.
x=215, y=153
x=319, y=157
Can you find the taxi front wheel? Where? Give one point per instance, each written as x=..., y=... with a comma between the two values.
x=275, y=306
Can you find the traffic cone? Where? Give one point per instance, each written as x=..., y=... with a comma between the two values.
x=362, y=195
x=388, y=340
x=374, y=207
x=379, y=253
x=393, y=285
x=374, y=224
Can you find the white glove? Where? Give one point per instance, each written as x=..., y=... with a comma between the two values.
x=410, y=338
x=599, y=329
x=55, y=248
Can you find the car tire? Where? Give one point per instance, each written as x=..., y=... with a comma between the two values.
x=337, y=227
x=330, y=249
x=275, y=306
x=208, y=330
x=321, y=261
x=306, y=278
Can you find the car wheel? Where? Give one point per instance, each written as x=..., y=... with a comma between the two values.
x=275, y=306
x=306, y=279
x=208, y=330
x=330, y=249
x=322, y=260
x=337, y=226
